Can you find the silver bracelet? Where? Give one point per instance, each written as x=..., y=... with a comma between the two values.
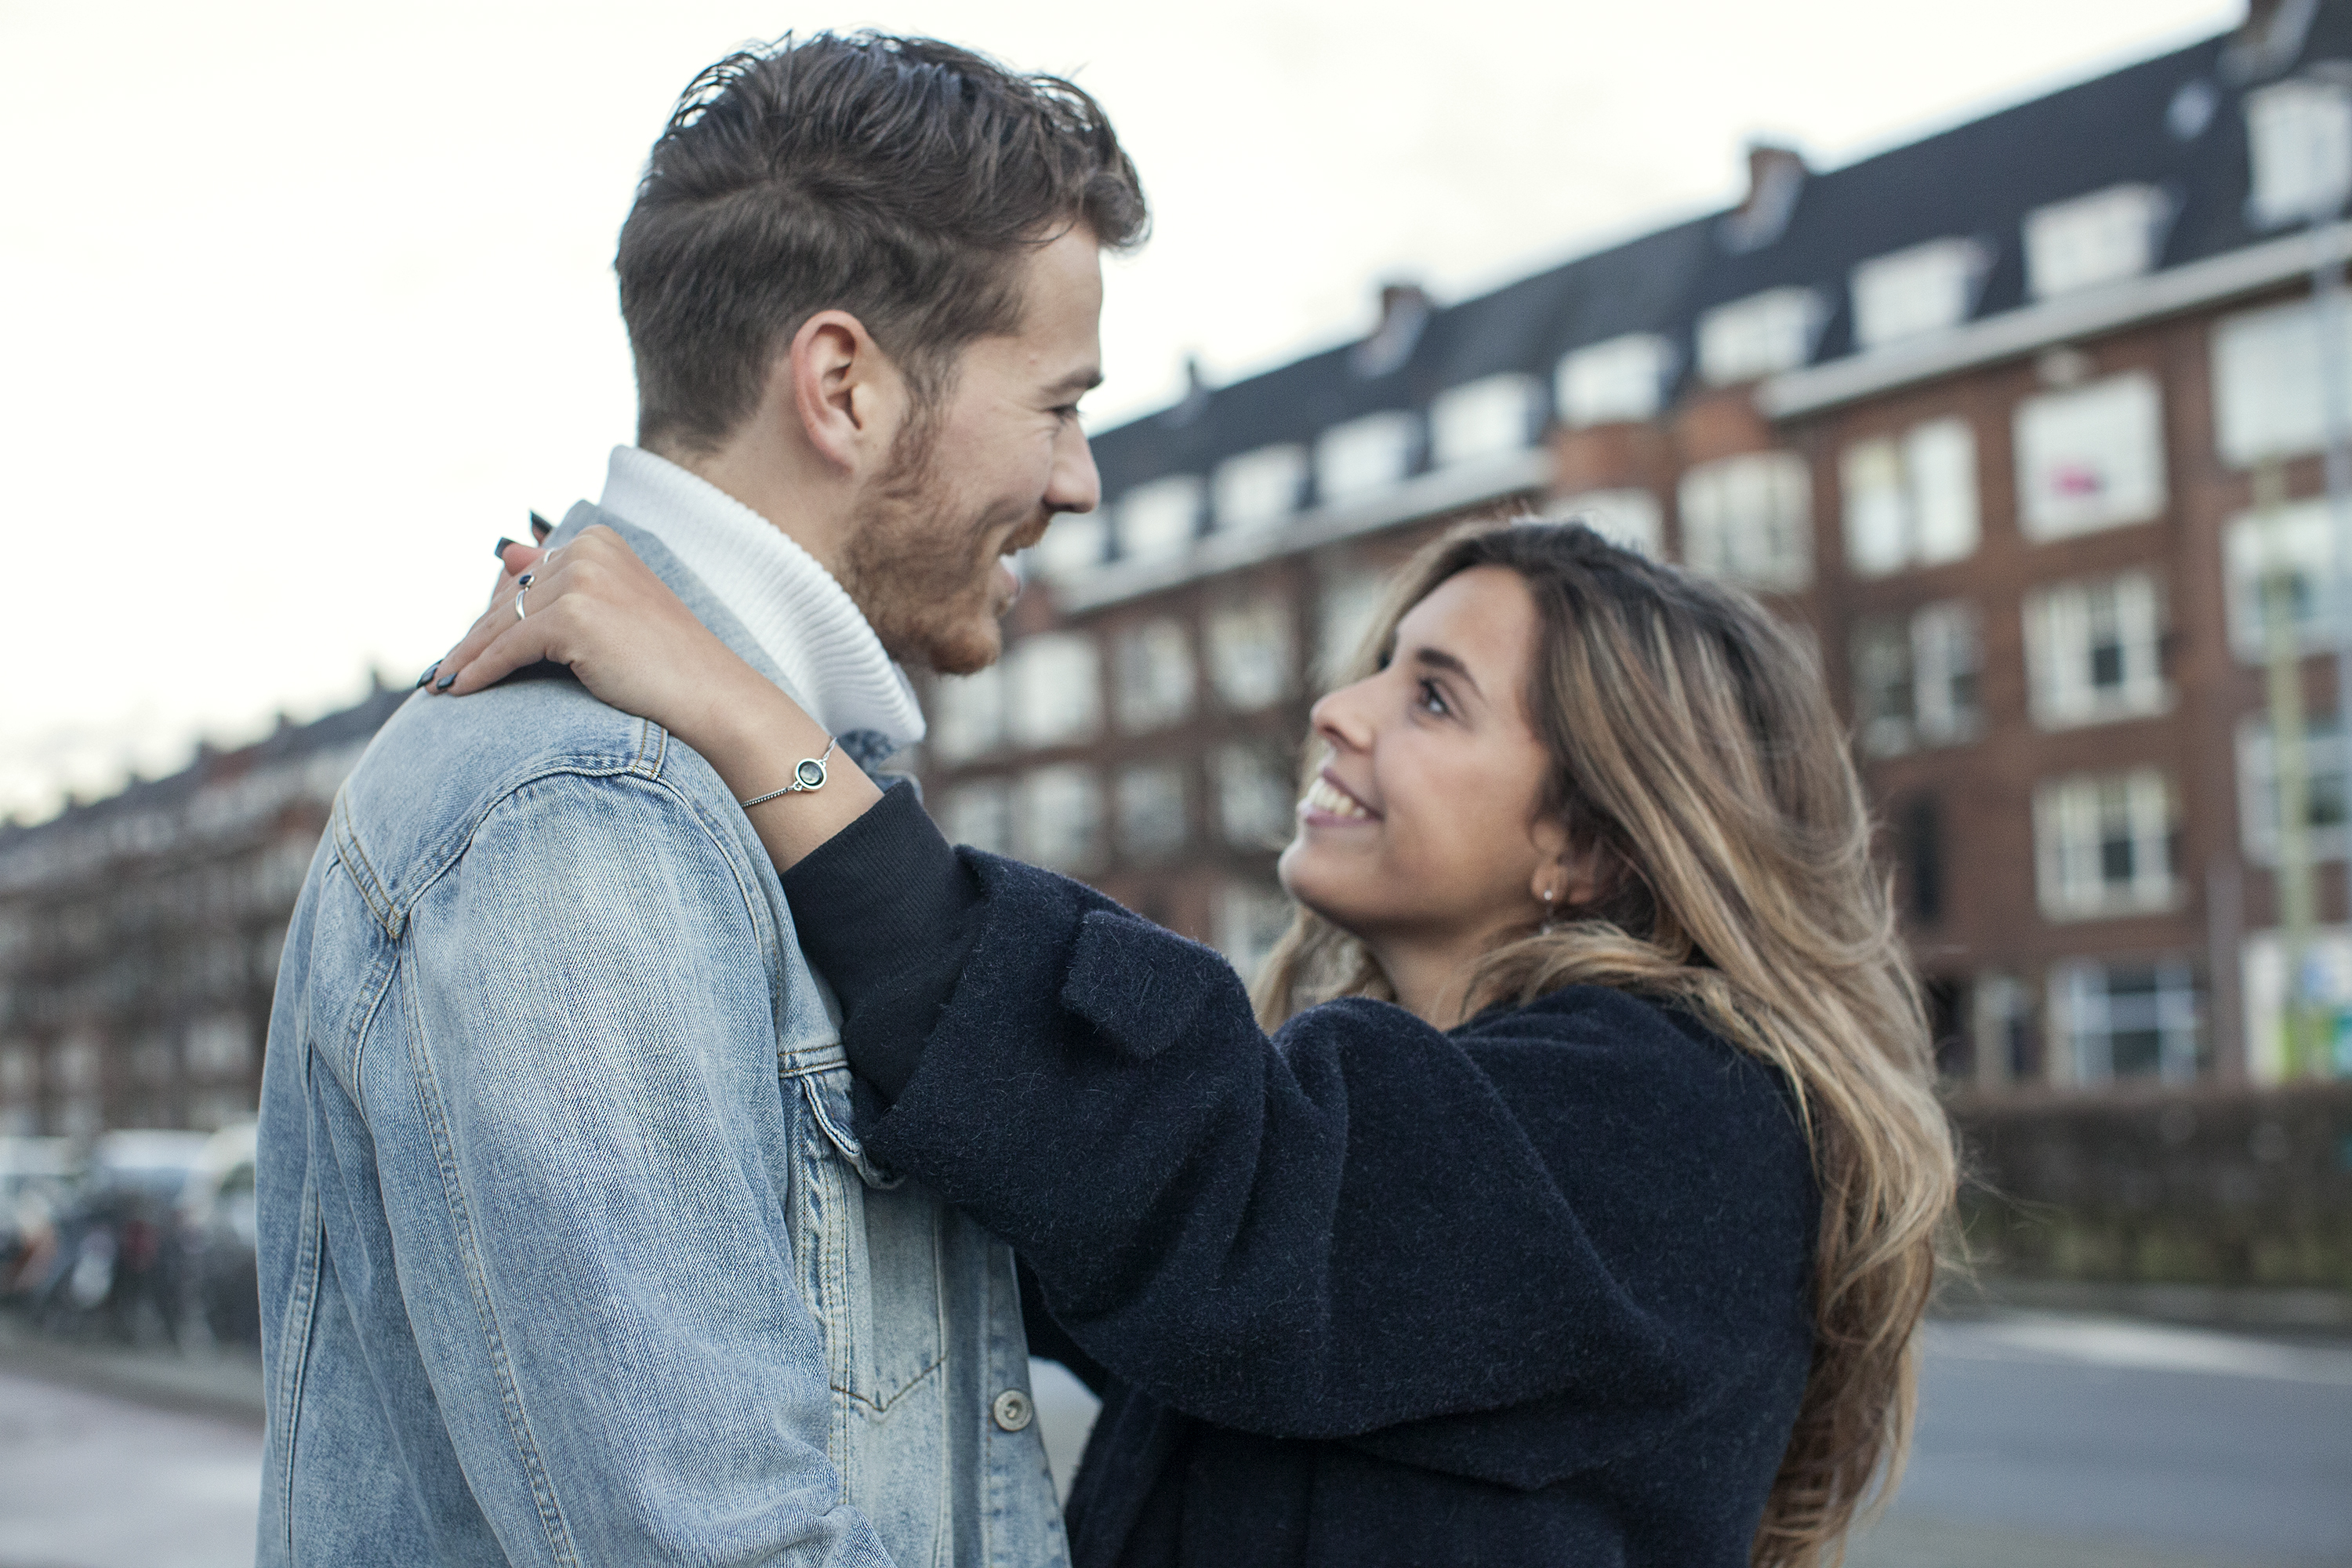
x=808, y=775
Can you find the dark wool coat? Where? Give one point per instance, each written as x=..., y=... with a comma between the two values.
x=1533, y=1290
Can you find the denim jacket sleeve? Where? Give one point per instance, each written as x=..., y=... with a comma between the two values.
x=591, y=1222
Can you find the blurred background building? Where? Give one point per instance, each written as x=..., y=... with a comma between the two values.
x=1987, y=414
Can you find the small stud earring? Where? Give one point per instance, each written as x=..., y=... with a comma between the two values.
x=1549, y=895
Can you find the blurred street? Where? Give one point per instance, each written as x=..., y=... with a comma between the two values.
x=2044, y=1442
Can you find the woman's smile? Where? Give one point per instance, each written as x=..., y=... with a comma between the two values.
x=1330, y=804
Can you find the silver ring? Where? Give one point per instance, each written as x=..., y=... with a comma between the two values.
x=519, y=593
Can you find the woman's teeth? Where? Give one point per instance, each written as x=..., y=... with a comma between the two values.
x=1322, y=797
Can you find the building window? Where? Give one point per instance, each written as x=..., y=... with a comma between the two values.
x=1761, y=335
x=1491, y=417
x=1154, y=667
x=2104, y=238
x=2290, y=552
x=2094, y=650
x=1623, y=379
x=967, y=715
x=2270, y=382
x=1915, y=679
x=1344, y=608
x=1251, y=919
x=1911, y=500
x=1627, y=518
x=1250, y=654
x=2127, y=1020
x=1159, y=520
x=1060, y=817
x=1074, y=545
x=2324, y=791
x=1152, y=820
x=1365, y=455
x=1257, y=797
x=220, y=1047
x=1922, y=830
x=2299, y=139
x=1052, y=689
x=1924, y=288
x=1749, y=519
x=2106, y=845
x=2091, y=457
x=1259, y=489
x=980, y=814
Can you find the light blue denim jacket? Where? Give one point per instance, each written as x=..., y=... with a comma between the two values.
x=568, y=1254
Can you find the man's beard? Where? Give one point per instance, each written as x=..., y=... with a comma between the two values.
x=917, y=571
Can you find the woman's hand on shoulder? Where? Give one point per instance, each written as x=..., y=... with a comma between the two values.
x=592, y=605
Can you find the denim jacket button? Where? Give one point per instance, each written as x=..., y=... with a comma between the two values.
x=1013, y=1410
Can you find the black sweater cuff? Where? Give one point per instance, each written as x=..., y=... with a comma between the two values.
x=888, y=914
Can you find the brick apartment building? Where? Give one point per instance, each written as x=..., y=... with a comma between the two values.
x=1984, y=413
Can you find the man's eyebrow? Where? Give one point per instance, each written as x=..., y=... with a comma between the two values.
x=1439, y=658
x=1077, y=381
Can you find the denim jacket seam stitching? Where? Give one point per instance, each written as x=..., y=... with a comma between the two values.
x=363, y=877
x=884, y=1406
x=305, y=1305
x=452, y=1194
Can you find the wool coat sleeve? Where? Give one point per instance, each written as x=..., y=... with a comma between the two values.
x=1343, y=1231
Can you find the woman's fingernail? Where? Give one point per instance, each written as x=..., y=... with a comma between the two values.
x=445, y=682
x=428, y=673
x=499, y=549
x=539, y=527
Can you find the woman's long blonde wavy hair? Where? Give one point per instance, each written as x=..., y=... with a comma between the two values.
x=1689, y=736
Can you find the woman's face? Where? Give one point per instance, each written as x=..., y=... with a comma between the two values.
x=1420, y=827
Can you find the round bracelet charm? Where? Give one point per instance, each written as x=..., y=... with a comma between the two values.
x=811, y=773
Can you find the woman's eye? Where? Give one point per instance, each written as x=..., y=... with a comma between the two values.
x=1432, y=699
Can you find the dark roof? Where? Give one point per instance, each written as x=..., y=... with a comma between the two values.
x=1978, y=180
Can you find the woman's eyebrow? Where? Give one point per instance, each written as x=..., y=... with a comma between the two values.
x=1438, y=658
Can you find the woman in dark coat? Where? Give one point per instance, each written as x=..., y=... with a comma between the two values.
x=1579, y=1206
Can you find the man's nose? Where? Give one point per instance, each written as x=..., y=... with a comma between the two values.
x=1074, y=485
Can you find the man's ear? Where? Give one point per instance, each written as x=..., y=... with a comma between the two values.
x=850, y=399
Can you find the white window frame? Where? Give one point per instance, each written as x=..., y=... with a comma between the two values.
x=1252, y=646
x=2299, y=144
x=1911, y=499
x=1621, y=379
x=979, y=812
x=2064, y=626
x=1059, y=817
x=1346, y=601
x=1141, y=791
x=1920, y=290
x=1052, y=689
x=1256, y=802
x=1748, y=518
x=2105, y=237
x=2072, y=817
x=1760, y=335
x=1251, y=919
x=1493, y=416
x=2091, y=457
x=2325, y=758
x=1159, y=519
x=967, y=719
x=1934, y=658
x=1154, y=677
x=2270, y=391
x=2299, y=538
x=1260, y=489
x=2084, y=1021
x=1367, y=454
x=1631, y=518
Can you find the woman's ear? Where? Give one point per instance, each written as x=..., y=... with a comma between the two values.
x=1572, y=874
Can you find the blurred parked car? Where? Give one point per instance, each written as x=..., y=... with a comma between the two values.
x=216, y=1235
x=118, y=1264
x=33, y=1177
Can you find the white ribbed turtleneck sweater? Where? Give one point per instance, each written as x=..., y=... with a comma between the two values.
x=801, y=618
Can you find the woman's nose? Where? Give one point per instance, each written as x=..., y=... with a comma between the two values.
x=1342, y=717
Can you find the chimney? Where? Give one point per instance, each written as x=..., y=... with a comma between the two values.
x=1775, y=176
x=1404, y=310
x=2269, y=40
x=1190, y=406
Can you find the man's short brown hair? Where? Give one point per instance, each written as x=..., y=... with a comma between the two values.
x=899, y=179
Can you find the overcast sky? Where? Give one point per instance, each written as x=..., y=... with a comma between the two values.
x=302, y=305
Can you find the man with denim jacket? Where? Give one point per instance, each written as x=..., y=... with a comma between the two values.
x=569, y=1252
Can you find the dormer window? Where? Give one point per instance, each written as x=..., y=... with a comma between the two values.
x=1365, y=455
x=2299, y=136
x=1489, y=417
x=2104, y=238
x=1259, y=489
x=1622, y=379
x=1925, y=288
x=1158, y=520
x=1761, y=335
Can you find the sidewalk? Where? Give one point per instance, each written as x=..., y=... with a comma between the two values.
x=223, y=1383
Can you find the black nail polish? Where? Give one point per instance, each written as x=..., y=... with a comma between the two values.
x=539, y=527
x=428, y=673
x=499, y=549
x=445, y=682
